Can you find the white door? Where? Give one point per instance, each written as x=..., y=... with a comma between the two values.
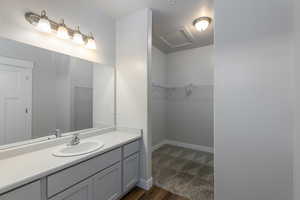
x=15, y=100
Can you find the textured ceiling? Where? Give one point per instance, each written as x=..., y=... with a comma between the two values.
x=172, y=20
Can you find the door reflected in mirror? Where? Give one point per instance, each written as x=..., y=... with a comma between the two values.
x=42, y=91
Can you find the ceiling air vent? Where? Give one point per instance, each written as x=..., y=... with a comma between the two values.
x=177, y=39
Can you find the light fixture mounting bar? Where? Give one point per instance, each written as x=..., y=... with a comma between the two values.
x=34, y=18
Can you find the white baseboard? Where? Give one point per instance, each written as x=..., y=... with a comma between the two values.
x=145, y=184
x=185, y=145
x=157, y=146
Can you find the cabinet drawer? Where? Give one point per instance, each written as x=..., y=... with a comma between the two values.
x=80, y=191
x=31, y=191
x=68, y=177
x=131, y=148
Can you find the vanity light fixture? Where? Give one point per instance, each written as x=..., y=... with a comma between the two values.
x=43, y=23
x=91, y=44
x=202, y=23
x=61, y=30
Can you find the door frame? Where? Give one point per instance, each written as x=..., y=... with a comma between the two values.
x=28, y=65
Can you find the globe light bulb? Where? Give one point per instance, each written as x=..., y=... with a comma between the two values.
x=91, y=44
x=62, y=31
x=44, y=24
x=77, y=37
x=202, y=23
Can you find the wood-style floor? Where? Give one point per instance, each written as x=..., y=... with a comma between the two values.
x=155, y=193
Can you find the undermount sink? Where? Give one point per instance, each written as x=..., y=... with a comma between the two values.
x=84, y=147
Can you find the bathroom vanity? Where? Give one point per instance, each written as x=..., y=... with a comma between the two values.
x=105, y=174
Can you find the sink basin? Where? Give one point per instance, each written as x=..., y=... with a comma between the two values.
x=84, y=147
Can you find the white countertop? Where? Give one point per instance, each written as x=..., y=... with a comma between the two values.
x=22, y=169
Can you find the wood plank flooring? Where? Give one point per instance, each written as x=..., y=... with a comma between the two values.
x=155, y=193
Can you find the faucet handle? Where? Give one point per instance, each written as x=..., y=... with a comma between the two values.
x=56, y=132
x=76, y=135
x=75, y=139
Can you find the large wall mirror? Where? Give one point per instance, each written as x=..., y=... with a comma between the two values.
x=42, y=91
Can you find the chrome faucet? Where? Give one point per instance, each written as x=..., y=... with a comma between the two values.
x=75, y=140
x=57, y=133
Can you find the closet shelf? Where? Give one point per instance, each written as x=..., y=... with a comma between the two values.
x=191, y=85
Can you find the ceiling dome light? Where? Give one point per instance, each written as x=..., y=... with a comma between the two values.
x=91, y=44
x=44, y=24
x=62, y=31
x=202, y=23
x=77, y=37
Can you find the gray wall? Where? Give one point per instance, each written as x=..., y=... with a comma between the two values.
x=176, y=116
x=158, y=97
x=296, y=91
x=133, y=52
x=190, y=117
x=253, y=109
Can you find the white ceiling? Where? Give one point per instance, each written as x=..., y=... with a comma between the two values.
x=169, y=17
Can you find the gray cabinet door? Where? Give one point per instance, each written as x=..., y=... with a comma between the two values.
x=31, y=191
x=80, y=191
x=108, y=183
x=130, y=172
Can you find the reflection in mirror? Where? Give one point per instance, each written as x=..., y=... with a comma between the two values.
x=43, y=92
